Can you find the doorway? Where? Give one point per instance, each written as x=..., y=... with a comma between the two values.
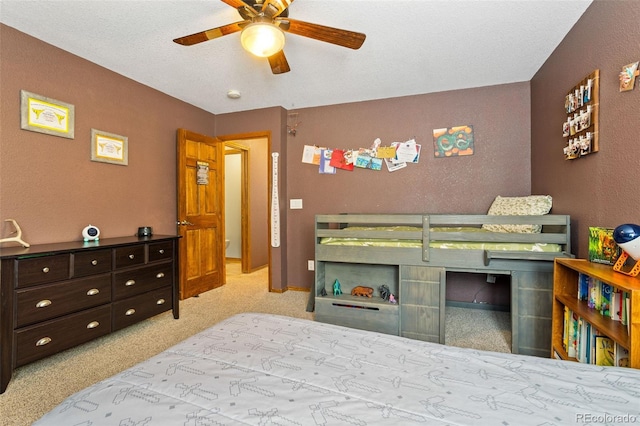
x=251, y=153
x=237, y=218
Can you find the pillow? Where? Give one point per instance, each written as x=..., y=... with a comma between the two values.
x=521, y=206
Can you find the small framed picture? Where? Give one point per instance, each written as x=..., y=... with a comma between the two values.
x=46, y=115
x=109, y=148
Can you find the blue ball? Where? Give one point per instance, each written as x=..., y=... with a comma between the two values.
x=626, y=233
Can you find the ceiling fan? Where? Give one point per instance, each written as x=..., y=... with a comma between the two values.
x=262, y=31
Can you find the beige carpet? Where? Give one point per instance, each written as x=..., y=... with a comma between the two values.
x=38, y=387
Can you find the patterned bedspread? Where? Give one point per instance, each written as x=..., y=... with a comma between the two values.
x=258, y=369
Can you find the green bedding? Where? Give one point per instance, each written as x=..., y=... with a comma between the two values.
x=417, y=243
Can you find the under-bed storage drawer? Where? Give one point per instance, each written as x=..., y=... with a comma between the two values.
x=349, y=312
x=48, y=338
x=135, y=309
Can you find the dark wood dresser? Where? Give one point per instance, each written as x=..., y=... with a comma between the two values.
x=56, y=296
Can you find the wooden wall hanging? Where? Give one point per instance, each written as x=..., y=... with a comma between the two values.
x=581, y=127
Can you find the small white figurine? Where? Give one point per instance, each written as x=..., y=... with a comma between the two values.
x=17, y=238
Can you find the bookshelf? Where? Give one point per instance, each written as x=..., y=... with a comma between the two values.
x=565, y=294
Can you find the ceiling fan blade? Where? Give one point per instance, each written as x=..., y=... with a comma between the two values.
x=278, y=63
x=210, y=34
x=273, y=8
x=344, y=38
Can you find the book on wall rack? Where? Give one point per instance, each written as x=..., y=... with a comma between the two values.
x=602, y=247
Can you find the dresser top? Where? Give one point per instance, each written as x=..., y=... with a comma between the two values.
x=69, y=246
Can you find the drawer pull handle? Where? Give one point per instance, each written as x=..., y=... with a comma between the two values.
x=130, y=312
x=43, y=341
x=130, y=283
x=160, y=302
x=160, y=275
x=43, y=303
x=94, y=262
x=45, y=269
x=93, y=292
x=161, y=251
x=93, y=324
x=131, y=256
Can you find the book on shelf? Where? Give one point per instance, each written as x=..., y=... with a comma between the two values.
x=584, y=342
x=627, y=302
x=573, y=334
x=602, y=246
x=610, y=301
x=604, y=349
x=583, y=287
x=616, y=305
x=621, y=356
x=605, y=300
x=595, y=291
x=583, y=346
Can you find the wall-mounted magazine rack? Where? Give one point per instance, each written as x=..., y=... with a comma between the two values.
x=581, y=127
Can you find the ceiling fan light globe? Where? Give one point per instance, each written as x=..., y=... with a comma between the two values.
x=262, y=39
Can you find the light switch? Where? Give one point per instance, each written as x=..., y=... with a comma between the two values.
x=295, y=203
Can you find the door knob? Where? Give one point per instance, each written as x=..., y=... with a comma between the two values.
x=185, y=223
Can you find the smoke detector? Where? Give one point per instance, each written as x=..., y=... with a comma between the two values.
x=233, y=94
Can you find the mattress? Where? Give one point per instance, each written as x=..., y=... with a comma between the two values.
x=417, y=243
x=260, y=369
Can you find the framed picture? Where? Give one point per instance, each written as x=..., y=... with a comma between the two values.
x=453, y=141
x=109, y=148
x=46, y=115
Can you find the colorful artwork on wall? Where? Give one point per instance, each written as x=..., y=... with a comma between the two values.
x=453, y=142
x=628, y=76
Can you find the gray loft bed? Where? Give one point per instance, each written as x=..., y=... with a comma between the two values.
x=416, y=246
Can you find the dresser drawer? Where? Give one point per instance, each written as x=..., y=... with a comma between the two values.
x=129, y=256
x=33, y=343
x=160, y=251
x=136, y=281
x=42, y=269
x=91, y=262
x=143, y=306
x=49, y=301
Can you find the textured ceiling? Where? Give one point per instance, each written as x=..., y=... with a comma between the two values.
x=412, y=47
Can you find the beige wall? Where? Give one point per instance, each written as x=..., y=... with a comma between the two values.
x=48, y=183
x=599, y=189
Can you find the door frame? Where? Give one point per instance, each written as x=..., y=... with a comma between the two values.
x=238, y=138
x=245, y=218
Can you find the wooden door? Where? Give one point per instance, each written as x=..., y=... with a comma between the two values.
x=200, y=174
